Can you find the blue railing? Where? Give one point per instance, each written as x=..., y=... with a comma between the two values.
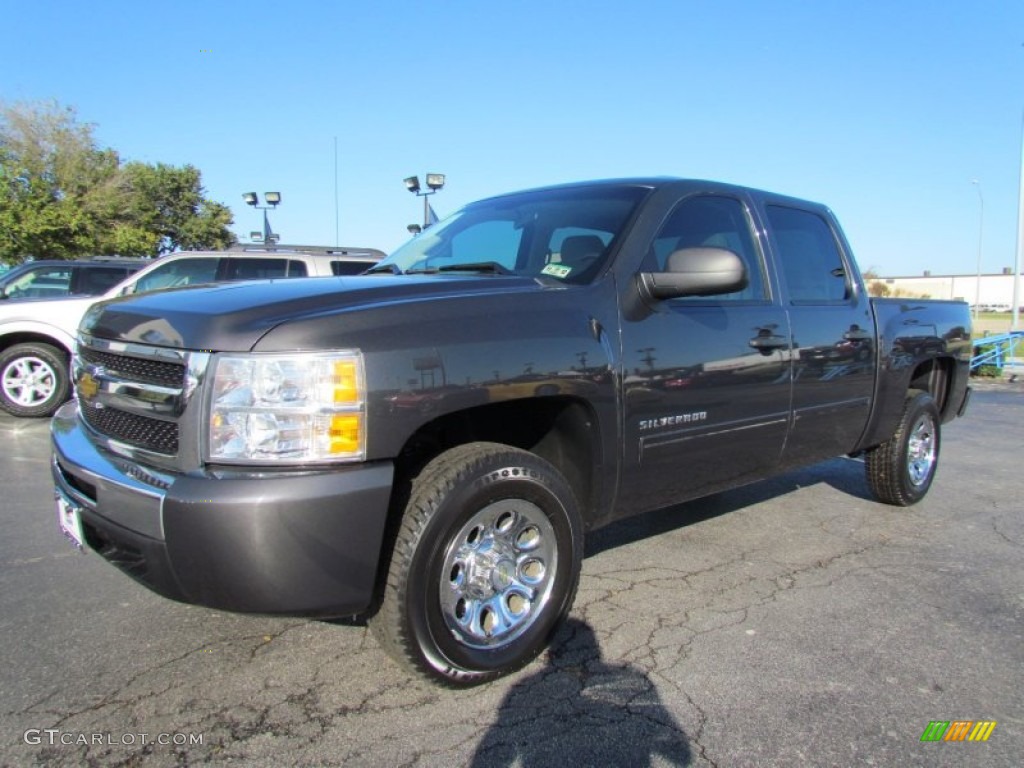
x=997, y=350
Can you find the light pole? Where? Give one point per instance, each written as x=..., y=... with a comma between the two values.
x=1020, y=235
x=434, y=182
x=981, y=234
x=273, y=199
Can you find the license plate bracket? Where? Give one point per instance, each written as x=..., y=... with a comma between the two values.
x=69, y=515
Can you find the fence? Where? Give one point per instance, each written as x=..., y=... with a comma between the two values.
x=1000, y=351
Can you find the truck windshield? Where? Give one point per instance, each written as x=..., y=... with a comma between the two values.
x=564, y=234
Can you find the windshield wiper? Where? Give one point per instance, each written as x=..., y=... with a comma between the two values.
x=477, y=266
x=392, y=268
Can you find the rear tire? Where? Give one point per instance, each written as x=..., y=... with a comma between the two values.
x=34, y=379
x=900, y=471
x=485, y=565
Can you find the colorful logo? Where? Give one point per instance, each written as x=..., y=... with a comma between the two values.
x=958, y=730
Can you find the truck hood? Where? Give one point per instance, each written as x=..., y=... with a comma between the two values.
x=232, y=317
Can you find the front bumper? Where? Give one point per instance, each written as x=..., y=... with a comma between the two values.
x=302, y=543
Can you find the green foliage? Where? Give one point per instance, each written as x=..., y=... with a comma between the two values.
x=169, y=202
x=988, y=370
x=878, y=288
x=61, y=196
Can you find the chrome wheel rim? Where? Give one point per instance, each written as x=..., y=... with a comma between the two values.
x=498, y=574
x=922, y=450
x=29, y=381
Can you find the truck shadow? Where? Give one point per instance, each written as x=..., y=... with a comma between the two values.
x=582, y=710
x=844, y=474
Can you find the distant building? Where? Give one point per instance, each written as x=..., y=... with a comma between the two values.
x=996, y=290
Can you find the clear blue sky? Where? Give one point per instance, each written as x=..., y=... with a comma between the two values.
x=883, y=110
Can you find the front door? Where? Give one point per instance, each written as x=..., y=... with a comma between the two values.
x=707, y=380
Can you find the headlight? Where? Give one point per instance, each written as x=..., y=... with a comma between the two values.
x=293, y=408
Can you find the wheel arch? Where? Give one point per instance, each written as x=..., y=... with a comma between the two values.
x=562, y=430
x=936, y=376
x=29, y=334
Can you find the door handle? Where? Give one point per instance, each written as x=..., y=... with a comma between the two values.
x=858, y=335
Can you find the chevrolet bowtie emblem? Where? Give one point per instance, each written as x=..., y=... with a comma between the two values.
x=87, y=386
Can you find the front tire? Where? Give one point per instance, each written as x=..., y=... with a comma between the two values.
x=900, y=471
x=34, y=379
x=485, y=565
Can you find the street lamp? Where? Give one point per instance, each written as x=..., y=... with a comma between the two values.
x=434, y=182
x=981, y=234
x=273, y=200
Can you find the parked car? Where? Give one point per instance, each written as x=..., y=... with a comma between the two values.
x=37, y=336
x=426, y=445
x=51, y=279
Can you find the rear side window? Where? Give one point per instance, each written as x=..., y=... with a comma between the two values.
x=340, y=268
x=92, y=281
x=262, y=269
x=809, y=255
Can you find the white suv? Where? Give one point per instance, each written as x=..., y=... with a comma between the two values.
x=37, y=335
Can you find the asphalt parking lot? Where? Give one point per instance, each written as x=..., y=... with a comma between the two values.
x=793, y=622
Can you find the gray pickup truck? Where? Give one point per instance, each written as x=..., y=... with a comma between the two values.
x=427, y=444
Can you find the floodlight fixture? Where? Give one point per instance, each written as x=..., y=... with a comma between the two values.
x=414, y=229
x=434, y=182
x=273, y=199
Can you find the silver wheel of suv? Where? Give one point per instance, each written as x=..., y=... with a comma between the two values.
x=34, y=379
x=28, y=381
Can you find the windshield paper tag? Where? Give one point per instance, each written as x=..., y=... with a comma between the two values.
x=556, y=270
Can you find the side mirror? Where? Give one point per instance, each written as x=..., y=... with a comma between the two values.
x=696, y=272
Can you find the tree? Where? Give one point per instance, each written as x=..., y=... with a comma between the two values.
x=168, y=203
x=55, y=185
x=878, y=288
x=62, y=196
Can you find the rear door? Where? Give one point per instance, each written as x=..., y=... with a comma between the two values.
x=833, y=333
x=706, y=379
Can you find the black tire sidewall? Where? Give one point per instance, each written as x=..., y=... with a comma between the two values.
x=494, y=479
x=917, y=406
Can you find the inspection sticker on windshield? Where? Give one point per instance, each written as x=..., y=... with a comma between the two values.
x=556, y=270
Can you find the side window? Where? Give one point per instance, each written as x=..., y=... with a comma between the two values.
x=718, y=222
x=173, y=274
x=92, y=281
x=258, y=269
x=809, y=256
x=45, y=282
x=340, y=268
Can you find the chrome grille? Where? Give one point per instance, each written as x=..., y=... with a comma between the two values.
x=151, y=371
x=136, y=397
